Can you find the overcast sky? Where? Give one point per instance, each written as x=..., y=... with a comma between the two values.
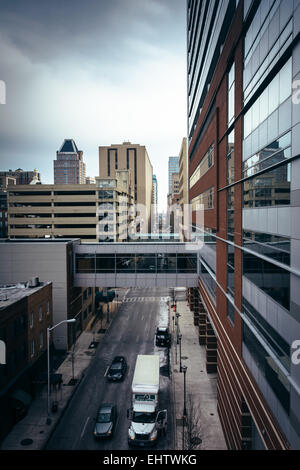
x=98, y=71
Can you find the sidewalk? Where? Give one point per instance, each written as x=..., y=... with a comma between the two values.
x=199, y=384
x=33, y=432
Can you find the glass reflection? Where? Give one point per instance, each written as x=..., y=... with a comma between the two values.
x=125, y=262
x=271, y=188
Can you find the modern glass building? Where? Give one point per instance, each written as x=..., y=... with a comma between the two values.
x=244, y=166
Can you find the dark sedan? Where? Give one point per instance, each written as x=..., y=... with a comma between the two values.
x=117, y=369
x=105, y=421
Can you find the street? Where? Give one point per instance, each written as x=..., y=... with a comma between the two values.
x=131, y=332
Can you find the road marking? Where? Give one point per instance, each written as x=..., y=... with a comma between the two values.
x=106, y=371
x=84, y=427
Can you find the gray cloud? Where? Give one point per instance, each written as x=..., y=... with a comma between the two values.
x=98, y=71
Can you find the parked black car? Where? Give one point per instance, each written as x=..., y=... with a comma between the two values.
x=117, y=369
x=105, y=421
x=163, y=337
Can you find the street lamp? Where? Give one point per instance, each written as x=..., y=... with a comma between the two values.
x=177, y=325
x=179, y=339
x=184, y=368
x=72, y=320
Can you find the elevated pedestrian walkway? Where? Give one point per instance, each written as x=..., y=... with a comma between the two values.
x=135, y=265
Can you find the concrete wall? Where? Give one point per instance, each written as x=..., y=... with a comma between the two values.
x=48, y=261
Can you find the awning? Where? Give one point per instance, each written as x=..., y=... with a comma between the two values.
x=20, y=396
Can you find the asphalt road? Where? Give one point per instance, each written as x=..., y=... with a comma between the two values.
x=130, y=333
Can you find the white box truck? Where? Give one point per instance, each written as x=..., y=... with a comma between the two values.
x=146, y=421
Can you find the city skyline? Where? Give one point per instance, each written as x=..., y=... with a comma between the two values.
x=126, y=56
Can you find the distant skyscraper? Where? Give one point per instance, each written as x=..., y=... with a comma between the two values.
x=173, y=167
x=69, y=167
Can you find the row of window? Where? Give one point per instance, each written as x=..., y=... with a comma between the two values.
x=205, y=164
x=141, y=263
x=40, y=314
x=269, y=46
x=268, y=367
x=206, y=199
x=33, y=345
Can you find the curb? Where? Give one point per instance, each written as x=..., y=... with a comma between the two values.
x=63, y=410
x=171, y=361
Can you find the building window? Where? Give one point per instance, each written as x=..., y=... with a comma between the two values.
x=230, y=158
x=209, y=281
x=273, y=246
x=278, y=90
x=260, y=272
x=48, y=307
x=41, y=340
x=230, y=213
x=205, y=164
x=230, y=311
x=272, y=154
x=32, y=348
x=268, y=367
x=206, y=199
x=271, y=188
x=31, y=319
x=40, y=313
x=275, y=341
x=106, y=194
x=230, y=269
x=230, y=99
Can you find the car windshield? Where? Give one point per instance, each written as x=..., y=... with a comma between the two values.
x=104, y=418
x=142, y=417
x=116, y=366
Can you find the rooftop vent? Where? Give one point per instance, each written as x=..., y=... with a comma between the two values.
x=34, y=282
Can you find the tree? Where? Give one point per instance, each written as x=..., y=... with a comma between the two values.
x=193, y=428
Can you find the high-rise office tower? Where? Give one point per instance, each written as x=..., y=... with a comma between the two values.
x=244, y=168
x=133, y=157
x=173, y=167
x=69, y=167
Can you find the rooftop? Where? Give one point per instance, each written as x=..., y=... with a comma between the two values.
x=40, y=240
x=11, y=293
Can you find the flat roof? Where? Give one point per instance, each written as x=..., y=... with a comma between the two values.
x=11, y=293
